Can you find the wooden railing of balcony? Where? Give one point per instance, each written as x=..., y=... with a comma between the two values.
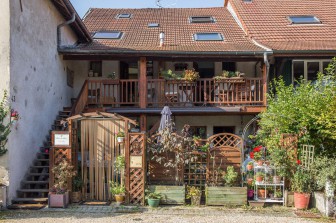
x=81, y=101
x=178, y=93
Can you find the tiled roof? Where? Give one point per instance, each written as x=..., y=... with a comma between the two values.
x=267, y=22
x=174, y=22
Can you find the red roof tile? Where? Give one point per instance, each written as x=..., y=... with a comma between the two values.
x=174, y=22
x=267, y=22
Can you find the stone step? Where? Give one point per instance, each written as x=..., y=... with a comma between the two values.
x=38, y=174
x=35, y=182
x=33, y=190
x=30, y=200
x=39, y=167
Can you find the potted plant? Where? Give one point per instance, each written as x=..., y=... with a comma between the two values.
x=204, y=148
x=120, y=137
x=194, y=194
x=302, y=187
x=77, y=184
x=259, y=176
x=153, y=199
x=59, y=195
x=197, y=140
x=118, y=191
x=257, y=155
x=191, y=75
x=250, y=190
x=262, y=193
x=278, y=195
x=230, y=176
x=249, y=166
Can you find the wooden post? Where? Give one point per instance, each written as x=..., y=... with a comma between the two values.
x=127, y=163
x=143, y=123
x=143, y=83
x=264, y=83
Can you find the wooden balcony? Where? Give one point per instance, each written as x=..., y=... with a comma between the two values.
x=230, y=92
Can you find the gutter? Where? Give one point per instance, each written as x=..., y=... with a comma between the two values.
x=59, y=40
x=158, y=52
x=304, y=51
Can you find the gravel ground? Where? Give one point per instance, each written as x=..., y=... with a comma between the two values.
x=164, y=215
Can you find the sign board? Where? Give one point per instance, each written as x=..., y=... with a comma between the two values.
x=135, y=161
x=60, y=139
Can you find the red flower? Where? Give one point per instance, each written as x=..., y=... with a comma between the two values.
x=298, y=162
x=257, y=149
x=251, y=155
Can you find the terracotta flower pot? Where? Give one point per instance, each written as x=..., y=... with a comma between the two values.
x=259, y=178
x=119, y=198
x=249, y=181
x=262, y=193
x=301, y=200
x=249, y=167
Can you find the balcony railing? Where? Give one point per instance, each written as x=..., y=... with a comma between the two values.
x=178, y=93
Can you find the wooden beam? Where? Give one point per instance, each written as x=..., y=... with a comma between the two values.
x=143, y=83
x=264, y=83
x=143, y=122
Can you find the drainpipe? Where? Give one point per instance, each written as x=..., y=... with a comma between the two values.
x=267, y=67
x=59, y=41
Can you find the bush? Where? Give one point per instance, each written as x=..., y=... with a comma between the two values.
x=324, y=168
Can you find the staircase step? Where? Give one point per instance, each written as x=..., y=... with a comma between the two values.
x=35, y=182
x=30, y=199
x=67, y=109
x=38, y=174
x=33, y=190
x=39, y=167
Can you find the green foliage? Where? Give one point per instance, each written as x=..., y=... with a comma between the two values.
x=302, y=181
x=120, y=134
x=169, y=75
x=193, y=191
x=153, y=195
x=205, y=147
x=116, y=188
x=282, y=162
x=278, y=194
x=4, y=128
x=77, y=183
x=307, y=109
x=324, y=168
x=63, y=171
x=119, y=163
x=260, y=174
x=230, y=176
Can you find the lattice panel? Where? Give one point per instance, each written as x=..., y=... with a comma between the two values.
x=57, y=155
x=226, y=140
x=136, y=181
x=307, y=156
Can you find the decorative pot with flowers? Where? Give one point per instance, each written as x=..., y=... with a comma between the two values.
x=259, y=176
x=257, y=154
x=120, y=137
x=191, y=75
x=59, y=195
x=118, y=191
x=194, y=194
x=302, y=186
x=14, y=115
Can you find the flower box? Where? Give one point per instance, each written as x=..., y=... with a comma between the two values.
x=58, y=200
x=225, y=196
x=170, y=194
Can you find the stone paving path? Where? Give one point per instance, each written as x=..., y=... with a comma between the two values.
x=175, y=214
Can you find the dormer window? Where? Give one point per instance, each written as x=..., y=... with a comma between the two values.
x=124, y=16
x=201, y=19
x=208, y=37
x=304, y=19
x=107, y=35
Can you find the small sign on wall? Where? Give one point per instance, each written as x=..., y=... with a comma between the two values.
x=136, y=162
x=60, y=139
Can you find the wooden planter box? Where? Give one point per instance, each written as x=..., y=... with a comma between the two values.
x=289, y=198
x=225, y=195
x=170, y=194
x=58, y=200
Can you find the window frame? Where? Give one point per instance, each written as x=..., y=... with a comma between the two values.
x=305, y=66
x=219, y=35
x=317, y=20
x=120, y=34
x=121, y=16
x=211, y=19
x=153, y=25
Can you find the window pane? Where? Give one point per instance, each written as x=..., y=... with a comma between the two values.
x=208, y=37
x=304, y=19
x=201, y=19
x=312, y=69
x=107, y=35
x=298, y=70
x=324, y=66
x=124, y=16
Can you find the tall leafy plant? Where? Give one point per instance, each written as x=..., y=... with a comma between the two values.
x=4, y=124
x=305, y=108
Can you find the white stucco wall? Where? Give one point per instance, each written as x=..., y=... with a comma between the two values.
x=38, y=81
x=4, y=68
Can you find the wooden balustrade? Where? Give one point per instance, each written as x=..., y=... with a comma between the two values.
x=178, y=93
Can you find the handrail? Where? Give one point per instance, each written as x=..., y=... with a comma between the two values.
x=81, y=100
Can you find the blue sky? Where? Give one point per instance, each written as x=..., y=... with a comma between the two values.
x=83, y=5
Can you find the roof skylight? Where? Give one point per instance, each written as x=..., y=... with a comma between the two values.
x=208, y=37
x=201, y=19
x=304, y=19
x=107, y=35
x=153, y=25
x=124, y=16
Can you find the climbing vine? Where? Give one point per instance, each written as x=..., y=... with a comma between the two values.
x=4, y=125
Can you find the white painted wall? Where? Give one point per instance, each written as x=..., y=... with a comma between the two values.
x=38, y=80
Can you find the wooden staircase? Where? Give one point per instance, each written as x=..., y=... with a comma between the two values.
x=33, y=193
